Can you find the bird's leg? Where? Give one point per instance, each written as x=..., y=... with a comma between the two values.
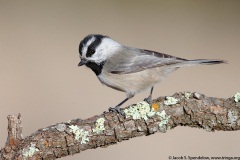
x=149, y=98
x=130, y=94
x=117, y=107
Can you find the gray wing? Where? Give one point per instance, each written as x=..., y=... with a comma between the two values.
x=136, y=60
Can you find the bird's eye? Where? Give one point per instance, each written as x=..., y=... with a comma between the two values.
x=92, y=51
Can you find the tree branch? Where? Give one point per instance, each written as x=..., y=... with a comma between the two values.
x=63, y=139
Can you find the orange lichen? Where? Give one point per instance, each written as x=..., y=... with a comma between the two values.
x=155, y=106
x=46, y=143
x=12, y=141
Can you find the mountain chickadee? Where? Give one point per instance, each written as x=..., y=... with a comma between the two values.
x=128, y=69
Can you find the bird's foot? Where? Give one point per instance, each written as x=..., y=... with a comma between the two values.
x=148, y=100
x=116, y=110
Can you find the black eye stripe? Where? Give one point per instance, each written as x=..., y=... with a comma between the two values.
x=92, y=47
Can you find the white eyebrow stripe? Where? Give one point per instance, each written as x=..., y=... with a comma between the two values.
x=85, y=47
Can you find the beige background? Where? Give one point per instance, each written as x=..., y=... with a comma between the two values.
x=39, y=77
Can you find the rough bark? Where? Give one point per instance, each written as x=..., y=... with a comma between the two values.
x=63, y=139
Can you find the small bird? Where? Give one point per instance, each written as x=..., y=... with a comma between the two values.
x=127, y=69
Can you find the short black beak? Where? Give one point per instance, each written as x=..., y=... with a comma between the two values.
x=82, y=62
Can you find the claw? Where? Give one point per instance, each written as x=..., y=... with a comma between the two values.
x=148, y=100
x=116, y=110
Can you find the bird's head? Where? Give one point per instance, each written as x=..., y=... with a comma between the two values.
x=97, y=49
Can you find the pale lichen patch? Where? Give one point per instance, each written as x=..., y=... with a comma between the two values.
x=237, y=97
x=99, y=126
x=232, y=117
x=213, y=122
x=79, y=133
x=30, y=151
x=142, y=110
x=187, y=95
x=170, y=101
x=61, y=127
x=163, y=120
x=139, y=111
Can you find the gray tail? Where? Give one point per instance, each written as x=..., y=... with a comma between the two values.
x=206, y=61
x=199, y=62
